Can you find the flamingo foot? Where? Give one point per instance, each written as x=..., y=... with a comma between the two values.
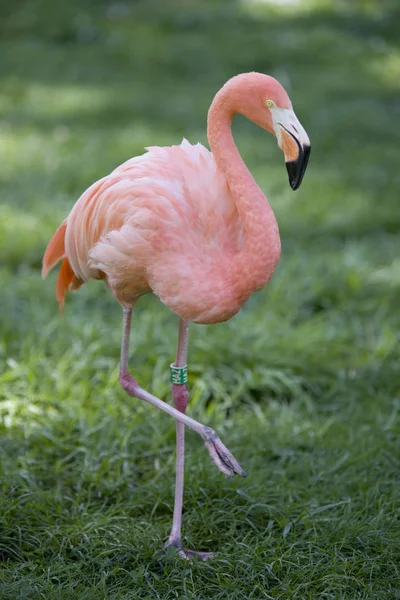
x=187, y=554
x=220, y=454
x=190, y=554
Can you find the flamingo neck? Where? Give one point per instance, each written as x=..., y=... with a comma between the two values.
x=255, y=264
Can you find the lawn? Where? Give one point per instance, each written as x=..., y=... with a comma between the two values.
x=303, y=385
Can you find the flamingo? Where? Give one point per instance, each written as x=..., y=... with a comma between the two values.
x=191, y=226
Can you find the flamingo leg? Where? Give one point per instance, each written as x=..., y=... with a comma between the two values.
x=219, y=454
x=181, y=397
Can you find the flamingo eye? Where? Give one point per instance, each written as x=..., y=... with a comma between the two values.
x=269, y=103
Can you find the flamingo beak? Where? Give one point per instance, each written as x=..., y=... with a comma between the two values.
x=297, y=167
x=294, y=142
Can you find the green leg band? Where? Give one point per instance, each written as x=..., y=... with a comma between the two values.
x=178, y=374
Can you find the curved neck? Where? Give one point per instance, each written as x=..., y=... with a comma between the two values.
x=261, y=247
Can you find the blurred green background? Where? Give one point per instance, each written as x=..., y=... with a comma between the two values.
x=303, y=385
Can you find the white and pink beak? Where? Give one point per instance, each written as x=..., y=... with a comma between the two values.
x=294, y=143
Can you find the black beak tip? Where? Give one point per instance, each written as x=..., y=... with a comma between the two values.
x=294, y=182
x=297, y=168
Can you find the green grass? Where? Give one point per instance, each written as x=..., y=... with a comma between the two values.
x=303, y=385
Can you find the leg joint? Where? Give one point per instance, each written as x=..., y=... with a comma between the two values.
x=209, y=435
x=181, y=396
x=128, y=383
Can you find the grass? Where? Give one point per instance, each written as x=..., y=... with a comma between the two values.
x=303, y=385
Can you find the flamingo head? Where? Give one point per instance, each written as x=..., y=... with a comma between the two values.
x=263, y=100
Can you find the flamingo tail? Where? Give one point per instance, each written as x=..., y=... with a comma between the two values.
x=55, y=251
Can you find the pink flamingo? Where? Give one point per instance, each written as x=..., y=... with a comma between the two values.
x=193, y=227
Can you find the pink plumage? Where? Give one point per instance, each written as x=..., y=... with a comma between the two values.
x=188, y=224
x=165, y=222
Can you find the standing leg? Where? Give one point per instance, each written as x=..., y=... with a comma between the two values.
x=219, y=454
x=181, y=397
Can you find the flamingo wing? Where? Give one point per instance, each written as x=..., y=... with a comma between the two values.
x=159, y=222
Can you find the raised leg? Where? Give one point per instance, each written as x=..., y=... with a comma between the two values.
x=181, y=396
x=219, y=454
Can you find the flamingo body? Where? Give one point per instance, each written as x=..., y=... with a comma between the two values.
x=164, y=222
